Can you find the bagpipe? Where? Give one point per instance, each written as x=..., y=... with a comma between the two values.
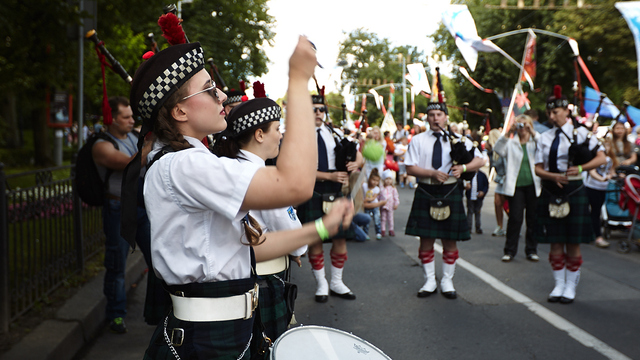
x=346, y=150
x=579, y=153
x=460, y=155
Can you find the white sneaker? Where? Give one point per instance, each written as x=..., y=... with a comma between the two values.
x=496, y=231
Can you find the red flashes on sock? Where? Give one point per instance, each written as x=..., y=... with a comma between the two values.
x=557, y=261
x=337, y=260
x=317, y=261
x=426, y=256
x=450, y=257
x=573, y=263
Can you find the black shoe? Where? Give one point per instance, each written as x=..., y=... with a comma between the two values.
x=479, y=231
x=450, y=294
x=117, y=326
x=322, y=298
x=424, y=293
x=349, y=295
x=553, y=299
x=564, y=300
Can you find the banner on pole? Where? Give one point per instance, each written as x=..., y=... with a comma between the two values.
x=418, y=77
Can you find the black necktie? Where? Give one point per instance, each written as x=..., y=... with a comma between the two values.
x=436, y=157
x=553, y=153
x=323, y=161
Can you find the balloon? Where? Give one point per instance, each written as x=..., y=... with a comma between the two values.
x=391, y=165
x=372, y=151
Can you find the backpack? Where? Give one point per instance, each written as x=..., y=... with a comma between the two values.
x=88, y=183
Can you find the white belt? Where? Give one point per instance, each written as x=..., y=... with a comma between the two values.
x=273, y=266
x=432, y=181
x=574, y=178
x=200, y=309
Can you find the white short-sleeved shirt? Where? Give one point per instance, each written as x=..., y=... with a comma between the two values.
x=421, y=150
x=274, y=219
x=546, y=139
x=193, y=201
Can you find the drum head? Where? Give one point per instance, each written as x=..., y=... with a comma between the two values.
x=323, y=343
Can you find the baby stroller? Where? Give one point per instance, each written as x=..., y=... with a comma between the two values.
x=630, y=200
x=613, y=216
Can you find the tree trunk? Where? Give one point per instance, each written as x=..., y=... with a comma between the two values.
x=41, y=138
x=10, y=115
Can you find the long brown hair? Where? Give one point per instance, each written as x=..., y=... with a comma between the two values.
x=626, y=144
x=230, y=146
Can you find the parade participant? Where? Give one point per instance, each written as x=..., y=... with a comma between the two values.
x=111, y=161
x=329, y=182
x=429, y=159
x=563, y=209
x=256, y=141
x=390, y=193
x=197, y=203
x=521, y=185
x=234, y=98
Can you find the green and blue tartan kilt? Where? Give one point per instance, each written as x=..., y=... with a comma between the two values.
x=221, y=340
x=273, y=309
x=573, y=229
x=420, y=222
x=312, y=209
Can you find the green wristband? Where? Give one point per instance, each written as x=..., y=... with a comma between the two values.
x=580, y=168
x=464, y=168
x=322, y=230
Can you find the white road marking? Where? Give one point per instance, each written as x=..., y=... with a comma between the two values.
x=549, y=316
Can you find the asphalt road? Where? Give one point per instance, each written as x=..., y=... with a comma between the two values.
x=501, y=311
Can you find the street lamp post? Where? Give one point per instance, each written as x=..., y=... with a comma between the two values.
x=404, y=89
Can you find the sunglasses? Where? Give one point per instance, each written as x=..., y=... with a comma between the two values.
x=320, y=109
x=213, y=91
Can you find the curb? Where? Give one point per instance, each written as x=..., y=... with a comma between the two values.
x=77, y=322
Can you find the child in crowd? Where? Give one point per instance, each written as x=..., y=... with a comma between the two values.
x=393, y=200
x=373, y=200
x=596, y=185
x=401, y=150
x=476, y=189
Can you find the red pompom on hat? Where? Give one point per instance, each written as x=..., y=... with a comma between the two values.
x=147, y=55
x=258, y=90
x=171, y=29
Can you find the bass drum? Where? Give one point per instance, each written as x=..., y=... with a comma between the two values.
x=323, y=343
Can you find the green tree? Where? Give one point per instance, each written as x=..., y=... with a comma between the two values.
x=372, y=62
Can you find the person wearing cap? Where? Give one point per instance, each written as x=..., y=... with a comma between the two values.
x=256, y=141
x=563, y=207
x=328, y=188
x=198, y=203
x=429, y=160
x=234, y=98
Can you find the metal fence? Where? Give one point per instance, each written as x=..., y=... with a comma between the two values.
x=46, y=235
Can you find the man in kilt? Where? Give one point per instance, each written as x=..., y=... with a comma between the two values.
x=561, y=179
x=328, y=187
x=429, y=159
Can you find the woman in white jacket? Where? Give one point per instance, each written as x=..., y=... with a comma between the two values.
x=521, y=185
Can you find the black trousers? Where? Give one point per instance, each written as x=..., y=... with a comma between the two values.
x=524, y=199
x=596, y=199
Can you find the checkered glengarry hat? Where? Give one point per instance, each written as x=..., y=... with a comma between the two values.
x=161, y=75
x=251, y=114
x=438, y=106
x=234, y=96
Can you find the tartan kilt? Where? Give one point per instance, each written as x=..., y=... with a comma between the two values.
x=573, y=229
x=311, y=210
x=206, y=340
x=421, y=224
x=273, y=309
x=157, y=302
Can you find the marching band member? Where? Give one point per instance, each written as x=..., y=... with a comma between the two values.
x=329, y=182
x=197, y=203
x=563, y=208
x=429, y=160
